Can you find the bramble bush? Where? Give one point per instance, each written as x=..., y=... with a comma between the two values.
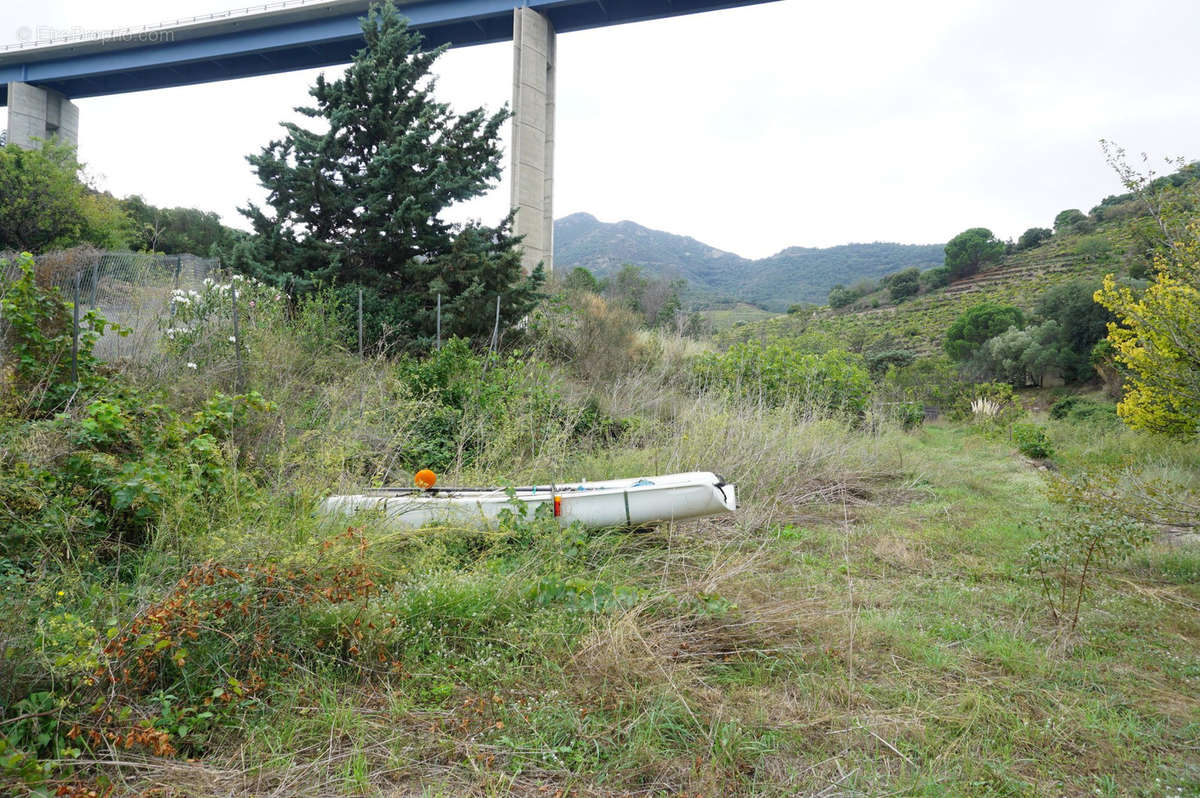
x=38, y=341
x=84, y=491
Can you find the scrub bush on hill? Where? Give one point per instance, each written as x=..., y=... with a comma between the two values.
x=1033, y=237
x=904, y=284
x=972, y=250
x=777, y=374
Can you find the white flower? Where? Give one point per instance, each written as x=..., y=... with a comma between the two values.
x=232, y=340
x=238, y=277
x=191, y=365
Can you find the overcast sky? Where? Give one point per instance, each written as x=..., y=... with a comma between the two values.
x=793, y=123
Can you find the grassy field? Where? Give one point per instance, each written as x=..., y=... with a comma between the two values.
x=176, y=619
x=725, y=318
x=868, y=634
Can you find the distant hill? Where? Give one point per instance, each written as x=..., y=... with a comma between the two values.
x=1111, y=239
x=919, y=324
x=797, y=274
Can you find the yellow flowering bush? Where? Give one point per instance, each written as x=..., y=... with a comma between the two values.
x=1157, y=338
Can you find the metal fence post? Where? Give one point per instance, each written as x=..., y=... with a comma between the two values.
x=496, y=327
x=360, y=335
x=75, y=331
x=95, y=280
x=439, y=321
x=237, y=336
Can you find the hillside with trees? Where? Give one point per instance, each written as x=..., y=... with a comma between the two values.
x=716, y=277
x=1047, y=277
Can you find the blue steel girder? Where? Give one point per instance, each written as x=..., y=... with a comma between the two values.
x=257, y=45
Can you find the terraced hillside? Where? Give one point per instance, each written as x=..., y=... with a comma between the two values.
x=919, y=324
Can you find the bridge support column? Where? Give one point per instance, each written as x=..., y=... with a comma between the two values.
x=37, y=113
x=533, y=136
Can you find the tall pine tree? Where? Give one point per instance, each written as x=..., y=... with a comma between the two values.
x=360, y=204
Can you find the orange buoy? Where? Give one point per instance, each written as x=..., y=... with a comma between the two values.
x=425, y=479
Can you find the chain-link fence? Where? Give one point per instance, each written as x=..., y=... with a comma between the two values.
x=183, y=306
x=130, y=289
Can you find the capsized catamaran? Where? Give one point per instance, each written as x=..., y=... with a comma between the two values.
x=612, y=503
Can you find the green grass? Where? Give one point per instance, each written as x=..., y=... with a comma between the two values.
x=886, y=646
x=725, y=318
x=862, y=626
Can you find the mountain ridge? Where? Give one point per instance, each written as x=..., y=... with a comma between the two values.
x=794, y=274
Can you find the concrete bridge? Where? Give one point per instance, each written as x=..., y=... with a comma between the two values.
x=38, y=80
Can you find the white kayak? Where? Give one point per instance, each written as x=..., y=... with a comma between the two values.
x=613, y=503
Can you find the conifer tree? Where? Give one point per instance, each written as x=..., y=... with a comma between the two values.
x=361, y=204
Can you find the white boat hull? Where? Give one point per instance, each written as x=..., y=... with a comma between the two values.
x=615, y=503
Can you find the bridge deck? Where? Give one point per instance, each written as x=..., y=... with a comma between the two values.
x=316, y=35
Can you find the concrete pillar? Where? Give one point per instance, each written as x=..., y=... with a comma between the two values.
x=533, y=136
x=37, y=113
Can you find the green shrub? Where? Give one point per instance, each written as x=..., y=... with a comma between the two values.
x=937, y=277
x=38, y=343
x=1033, y=237
x=904, y=284
x=1032, y=441
x=1080, y=409
x=976, y=325
x=467, y=402
x=1092, y=248
x=909, y=414
x=879, y=362
x=1088, y=533
x=927, y=381
x=778, y=373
